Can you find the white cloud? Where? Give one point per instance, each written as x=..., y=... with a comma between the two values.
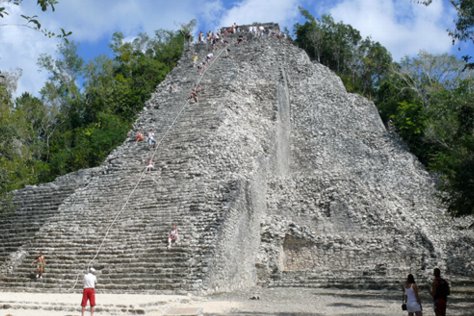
x=91, y=19
x=209, y=14
x=20, y=47
x=404, y=27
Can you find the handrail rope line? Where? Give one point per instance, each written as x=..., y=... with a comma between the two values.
x=143, y=172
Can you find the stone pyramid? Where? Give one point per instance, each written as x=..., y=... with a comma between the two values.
x=276, y=176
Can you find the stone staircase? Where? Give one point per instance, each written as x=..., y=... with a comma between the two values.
x=32, y=207
x=276, y=176
x=119, y=222
x=133, y=252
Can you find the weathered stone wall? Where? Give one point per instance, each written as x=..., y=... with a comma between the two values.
x=359, y=203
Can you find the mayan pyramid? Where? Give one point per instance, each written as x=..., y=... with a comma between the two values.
x=276, y=176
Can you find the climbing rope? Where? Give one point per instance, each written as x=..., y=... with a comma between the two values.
x=142, y=174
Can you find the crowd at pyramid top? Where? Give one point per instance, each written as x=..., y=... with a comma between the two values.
x=256, y=29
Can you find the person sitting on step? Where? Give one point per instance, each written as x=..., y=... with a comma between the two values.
x=194, y=94
x=150, y=166
x=202, y=66
x=40, y=265
x=173, y=235
x=139, y=137
x=209, y=57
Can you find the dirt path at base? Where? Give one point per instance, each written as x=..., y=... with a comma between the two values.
x=261, y=302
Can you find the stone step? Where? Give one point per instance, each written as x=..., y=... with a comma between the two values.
x=34, y=197
x=154, y=285
x=347, y=279
x=40, y=212
x=122, y=275
x=138, y=264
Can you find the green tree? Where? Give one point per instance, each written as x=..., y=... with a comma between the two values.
x=410, y=122
x=392, y=90
x=16, y=161
x=39, y=122
x=7, y=136
x=429, y=100
x=372, y=63
x=24, y=132
x=361, y=63
x=451, y=129
x=309, y=35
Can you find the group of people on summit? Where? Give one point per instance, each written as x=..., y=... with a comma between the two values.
x=257, y=30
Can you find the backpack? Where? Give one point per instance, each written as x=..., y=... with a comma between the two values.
x=443, y=289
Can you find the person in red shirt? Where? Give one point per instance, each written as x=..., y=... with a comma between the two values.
x=439, y=291
x=139, y=137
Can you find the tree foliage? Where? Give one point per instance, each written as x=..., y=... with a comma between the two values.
x=429, y=100
x=361, y=63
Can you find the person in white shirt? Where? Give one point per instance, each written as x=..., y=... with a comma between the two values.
x=411, y=297
x=88, y=293
x=151, y=138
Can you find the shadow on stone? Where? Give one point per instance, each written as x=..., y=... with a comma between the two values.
x=352, y=305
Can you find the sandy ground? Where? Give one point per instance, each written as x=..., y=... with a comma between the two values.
x=265, y=302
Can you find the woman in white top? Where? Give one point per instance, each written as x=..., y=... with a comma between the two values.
x=411, y=297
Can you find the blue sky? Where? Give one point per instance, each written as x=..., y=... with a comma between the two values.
x=403, y=26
